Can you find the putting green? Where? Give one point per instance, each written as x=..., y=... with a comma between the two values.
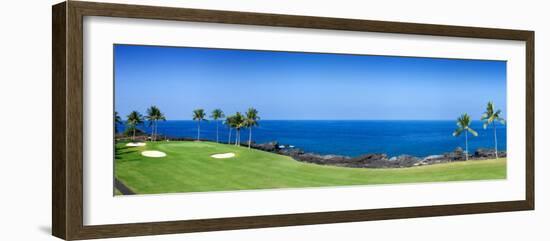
x=189, y=167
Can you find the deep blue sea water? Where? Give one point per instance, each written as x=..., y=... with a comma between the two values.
x=351, y=138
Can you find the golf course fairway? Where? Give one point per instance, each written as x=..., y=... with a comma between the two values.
x=189, y=167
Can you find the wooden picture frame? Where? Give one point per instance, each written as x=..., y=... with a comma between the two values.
x=67, y=151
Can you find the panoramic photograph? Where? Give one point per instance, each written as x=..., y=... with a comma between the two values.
x=190, y=119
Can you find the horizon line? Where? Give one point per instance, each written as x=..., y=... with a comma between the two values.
x=330, y=120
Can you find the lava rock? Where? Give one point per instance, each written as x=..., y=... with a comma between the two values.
x=486, y=153
x=270, y=146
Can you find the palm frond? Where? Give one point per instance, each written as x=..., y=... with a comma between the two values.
x=484, y=116
x=199, y=114
x=118, y=120
x=238, y=121
x=134, y=118
x=217, y=114
x=463, y=122
x=490, y=108
x=490, y=115
x=458, y=131
x=251, y=117
x=472, y=131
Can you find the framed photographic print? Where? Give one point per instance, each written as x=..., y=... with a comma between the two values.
x=171, y=120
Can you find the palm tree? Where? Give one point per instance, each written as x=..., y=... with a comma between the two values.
x=151, y=117
x=229, y=123
x=217, y=114
x=154, y=115
x=160, y=116
x=238, y=123
x=133, y=120
x=489, y=117
x=117, y=120
x=463, y=122
x=251, y=121
x=199, y=116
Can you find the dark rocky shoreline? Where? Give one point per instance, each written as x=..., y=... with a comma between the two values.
x=376, y=160
x=370, y=160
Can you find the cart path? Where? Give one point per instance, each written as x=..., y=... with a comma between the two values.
x=123, y=188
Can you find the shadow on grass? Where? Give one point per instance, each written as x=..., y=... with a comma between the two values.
x=125, y=152
x=124, y=160
x=124, y=147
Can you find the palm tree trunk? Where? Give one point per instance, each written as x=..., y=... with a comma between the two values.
x=495, y=133
x=249, y=136
x=466, y=134
x=217, y=136
x=153, y=131
x=156, y=129
x=199, y=130
x=134, y=134
x=229, y=139
x=237, y=137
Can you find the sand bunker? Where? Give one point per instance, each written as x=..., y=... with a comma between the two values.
x=136, y=144
x=153, y=153
x=223, y=155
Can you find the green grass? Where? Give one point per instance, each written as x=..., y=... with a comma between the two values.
x=188, y=167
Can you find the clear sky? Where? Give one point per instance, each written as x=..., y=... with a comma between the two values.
x=304, y=86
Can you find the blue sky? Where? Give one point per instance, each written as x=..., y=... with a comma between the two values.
x=304, y=86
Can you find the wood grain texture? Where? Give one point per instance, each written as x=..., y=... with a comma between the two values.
x=59, y=127
x=530, y=120
x=122, y=230
x=67, y=153
x=75, y=106
x=279, y=20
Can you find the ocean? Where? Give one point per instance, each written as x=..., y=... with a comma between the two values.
x=349, y=138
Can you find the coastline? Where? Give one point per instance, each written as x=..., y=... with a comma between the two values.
x=350, y=138
x=367, y=160
x=377, y=160
x=189, y=167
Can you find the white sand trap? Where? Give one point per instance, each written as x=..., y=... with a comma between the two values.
x=136, y=144
x=153, y=153
x=224, y=155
